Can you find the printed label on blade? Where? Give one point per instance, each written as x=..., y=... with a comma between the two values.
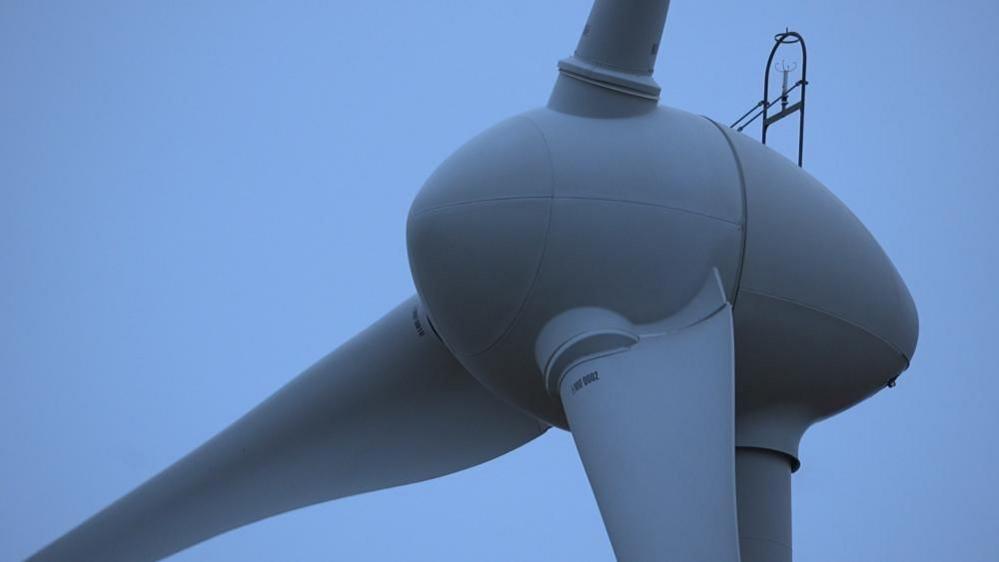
x=585, y=380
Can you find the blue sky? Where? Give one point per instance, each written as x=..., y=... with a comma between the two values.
x=182, y=183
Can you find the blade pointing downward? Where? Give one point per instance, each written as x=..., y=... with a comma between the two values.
x=654, y=425
x=389, y=407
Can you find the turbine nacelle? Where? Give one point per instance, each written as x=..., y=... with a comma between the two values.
x=607, y=201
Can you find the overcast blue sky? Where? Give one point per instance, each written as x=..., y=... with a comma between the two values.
x=198, y=199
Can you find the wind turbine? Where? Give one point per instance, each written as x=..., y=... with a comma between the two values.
x=681, y=298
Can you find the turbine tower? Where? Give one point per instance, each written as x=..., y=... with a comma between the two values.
x=684, y=300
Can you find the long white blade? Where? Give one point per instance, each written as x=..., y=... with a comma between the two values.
x=654, y=425
x=389, y=407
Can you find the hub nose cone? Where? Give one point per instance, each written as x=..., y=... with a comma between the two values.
x=476, y=234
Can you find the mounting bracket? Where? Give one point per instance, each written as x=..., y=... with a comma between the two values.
x=762, y=108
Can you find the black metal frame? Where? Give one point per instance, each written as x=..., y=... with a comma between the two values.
x=786, y=38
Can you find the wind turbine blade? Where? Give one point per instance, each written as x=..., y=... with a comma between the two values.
x=389, y=407
x=654, y=425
